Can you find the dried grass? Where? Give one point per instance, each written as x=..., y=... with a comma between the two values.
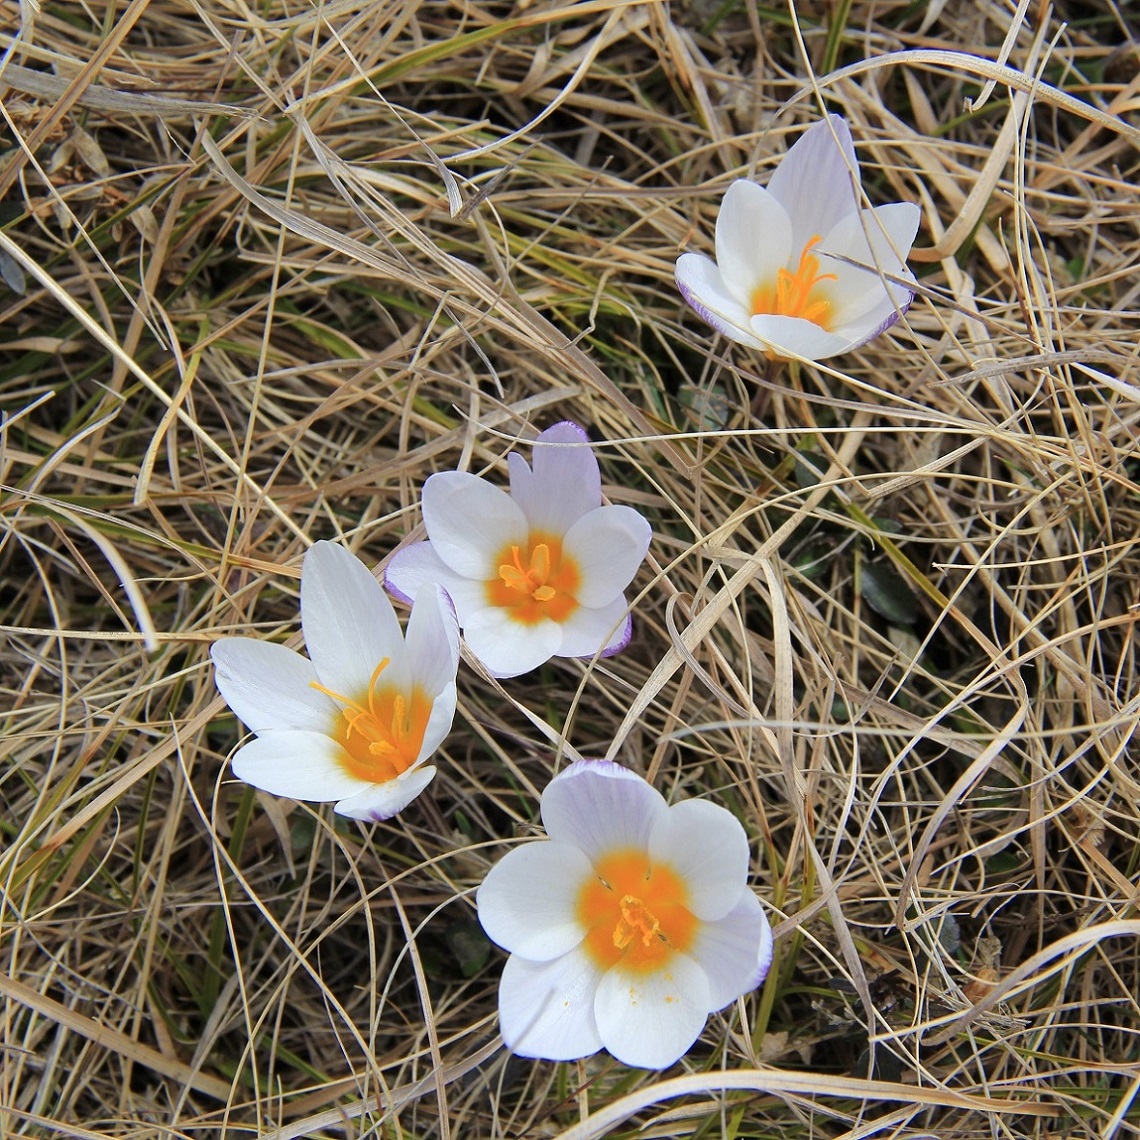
x=280, y=264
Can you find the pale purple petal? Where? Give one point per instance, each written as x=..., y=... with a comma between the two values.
x=349, y=623
x=866, y=331
x=418, y=565
x=378, y=802
x=753, y=240
x=816, y=180
x=608, y=545
x=527, y=902
x=794, y=337
x=704, y=291
x=564, y=482
x=546, y=1009
x=707, y=847
x=871, y=323
x=735, y=951
x=509, y=648
x=470, y=522
x=586, y=631
x=269, y=686
x=651, y=1019
x=300, y=765
x=622, y=636
x=601, y=807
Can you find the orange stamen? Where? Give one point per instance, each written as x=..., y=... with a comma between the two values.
x=635, y=915
x=535, y=582
x=635, y=921
x=381, y=734
x=799, y=293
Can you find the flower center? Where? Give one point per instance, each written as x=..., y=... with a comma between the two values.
x=634, y=913
x=530, y=579
x=636, y=922
x=382, y=733
x=535, y=581
x=799, y=294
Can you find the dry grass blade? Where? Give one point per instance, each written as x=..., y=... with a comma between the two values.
x=264, y=270
x=37, y=83
x=68, y=1021
x=777, y=1083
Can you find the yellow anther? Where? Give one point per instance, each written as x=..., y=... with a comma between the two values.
x=635, y=920
x=540, y=563
x=530, y=579
x=513, y=575
x=795, y=294
x=381, y=733
x=536, y=582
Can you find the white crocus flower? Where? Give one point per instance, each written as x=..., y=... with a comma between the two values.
x=801, y=269
x=356, y=719
x=628, y=927
x=534, y=574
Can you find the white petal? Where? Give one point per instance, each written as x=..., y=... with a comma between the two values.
x=816, y=179
x=622, y=634
x=431, y=641
x=565, y=481
x=586, y=631
x=600, y=807
x=419, y=565
x=879, y=239
x=896, y=225
x=546, y=1009
x=527, y=901
x=734, y=952
x=753, y=239
x=794, y=337
x=349, y=624
x=706, y=846
x=300, y=765
x=651, y=1019
x=875, y=322
x=705, y=292
x=378, y=802
x=508, y=648
x=439, y=722
x=470, y=522
x=268, y=686
x=608, y=545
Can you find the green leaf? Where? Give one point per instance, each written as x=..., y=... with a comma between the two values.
x=885, y=590
x=469, y=945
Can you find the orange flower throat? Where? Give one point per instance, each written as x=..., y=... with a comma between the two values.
x=381, y=734
x=634, y=914
x=800, y=294
x=535, y=581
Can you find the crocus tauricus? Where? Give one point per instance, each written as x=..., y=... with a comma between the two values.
x=801, y=268
x=537, y=573
x=354, y=721
x=628, y=927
